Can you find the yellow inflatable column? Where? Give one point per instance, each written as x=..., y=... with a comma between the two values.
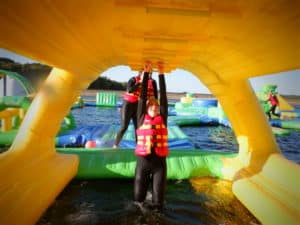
x=263, y=180
x=254, y=135
x=32, y=174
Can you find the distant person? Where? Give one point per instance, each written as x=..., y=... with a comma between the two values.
x=152, y=143
x=273, y=100
x=130, y=103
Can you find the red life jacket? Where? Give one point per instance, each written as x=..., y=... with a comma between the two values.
x=273, y=99
x=152, y=134
x=133, y=96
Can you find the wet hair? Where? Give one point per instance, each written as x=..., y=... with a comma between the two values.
x=152, y=101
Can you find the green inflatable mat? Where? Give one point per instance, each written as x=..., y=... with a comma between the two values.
x=290, y=124
x=112, y=163
x=7, y=138
x=14, y=102
x=280, y=131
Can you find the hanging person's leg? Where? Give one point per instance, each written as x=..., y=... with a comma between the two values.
x=159, y=183
x=141, y=180
x=125, y=119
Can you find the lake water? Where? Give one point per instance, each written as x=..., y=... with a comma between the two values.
x=215, y=138
x=109, y=201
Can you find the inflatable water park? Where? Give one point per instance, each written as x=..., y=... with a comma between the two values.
x=189, y=111
x=223, y=43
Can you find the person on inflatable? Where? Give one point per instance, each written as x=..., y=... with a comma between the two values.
x=274, y=104
x=130, y=103
x=152, y=142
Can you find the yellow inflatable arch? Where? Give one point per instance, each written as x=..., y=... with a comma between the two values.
x=222, y=42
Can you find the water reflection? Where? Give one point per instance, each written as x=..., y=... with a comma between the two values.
x=109, y=201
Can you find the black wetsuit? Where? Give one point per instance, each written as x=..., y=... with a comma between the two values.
x=129, y=109
x=151, y=165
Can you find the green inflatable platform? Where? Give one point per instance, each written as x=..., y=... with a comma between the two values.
x=112, y=163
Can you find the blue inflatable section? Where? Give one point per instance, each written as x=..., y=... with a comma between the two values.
x=90, y=104
x=205, y=102
x=105, y=135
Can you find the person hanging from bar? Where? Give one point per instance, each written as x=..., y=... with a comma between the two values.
x=152, y=142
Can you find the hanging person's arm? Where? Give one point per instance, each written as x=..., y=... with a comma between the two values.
x=163, y=92
x=154, y=85
x=142, y=103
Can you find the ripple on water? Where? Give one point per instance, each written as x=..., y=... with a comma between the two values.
x=109, y=201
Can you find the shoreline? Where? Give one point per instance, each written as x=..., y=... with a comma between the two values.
x=293, y=100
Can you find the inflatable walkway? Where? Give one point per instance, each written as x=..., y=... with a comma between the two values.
x=105, y=135
x=191, y=111
x=120, y=163
x=224, y=43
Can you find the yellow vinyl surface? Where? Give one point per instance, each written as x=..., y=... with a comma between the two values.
x=224, y=43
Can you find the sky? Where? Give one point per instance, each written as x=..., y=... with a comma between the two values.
x=183, y=81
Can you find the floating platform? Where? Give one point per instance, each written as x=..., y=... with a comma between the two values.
x=105, y=135
x=287, y=124
x=116, y=163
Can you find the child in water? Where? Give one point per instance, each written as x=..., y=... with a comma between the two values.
x=152, y=142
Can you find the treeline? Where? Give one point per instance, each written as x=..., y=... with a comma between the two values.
x=36, y=73
x=107, y=84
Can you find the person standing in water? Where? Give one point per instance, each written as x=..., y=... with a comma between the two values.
x=130, y=102
x=152, y=142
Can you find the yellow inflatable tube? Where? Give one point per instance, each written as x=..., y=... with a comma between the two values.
x=265, y=182
x=6, y=117
x=272, y=195
x=32, y=174
x=223, y=57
